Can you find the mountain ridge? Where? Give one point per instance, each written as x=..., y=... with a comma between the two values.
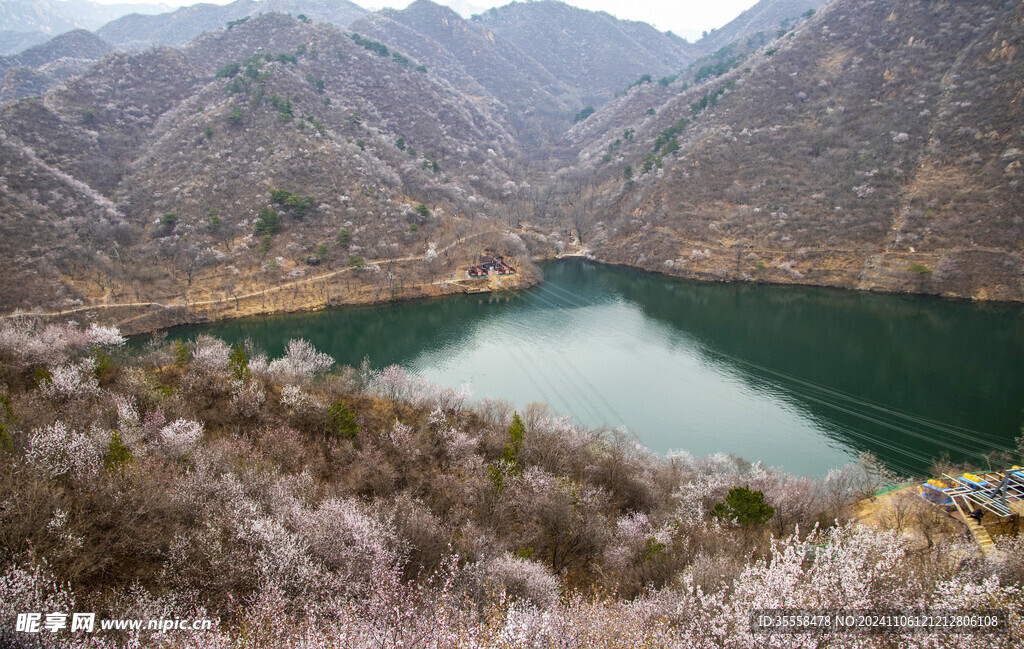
x=37, y=69
x=178, y=27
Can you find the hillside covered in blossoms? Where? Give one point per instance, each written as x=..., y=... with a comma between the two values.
x=301, y=504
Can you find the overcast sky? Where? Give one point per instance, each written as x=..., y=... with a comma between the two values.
x=687, y=18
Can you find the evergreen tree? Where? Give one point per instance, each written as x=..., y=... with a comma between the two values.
x=744, y=506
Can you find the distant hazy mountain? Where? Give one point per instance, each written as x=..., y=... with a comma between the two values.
x=768, y=16
x=182, y=25
x=77, y=44
x=12, y=41
x=591, y=51
x=56, y=16
x=40, y=68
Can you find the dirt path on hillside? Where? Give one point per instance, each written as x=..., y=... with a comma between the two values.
x=186, y=304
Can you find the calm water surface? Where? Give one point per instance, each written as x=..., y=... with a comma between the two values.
x=801, y=378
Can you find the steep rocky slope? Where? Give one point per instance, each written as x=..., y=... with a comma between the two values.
x=146, y=178
x=767, y=16
x=479, y=64
x=877, y=146
x=873, y=145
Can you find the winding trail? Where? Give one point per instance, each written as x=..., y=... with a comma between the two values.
x=279, y=287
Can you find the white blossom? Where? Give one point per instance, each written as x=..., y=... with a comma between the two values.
x=301, y=362
x=180, y=436
x=59, y=451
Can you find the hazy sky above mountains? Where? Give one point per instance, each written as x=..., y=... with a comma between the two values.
x=687, y=18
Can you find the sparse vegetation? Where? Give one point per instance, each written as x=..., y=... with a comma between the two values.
x=372, y=494
x=920, y=269
x=297, y=205
x=717, y=64
x=229, y=70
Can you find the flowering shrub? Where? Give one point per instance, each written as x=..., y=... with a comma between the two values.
x=398, y=384
x=247, y=398
x=513, y=577
x=59, y=451
x=71, y=382
x=31, y=342
x=209, y=354
x=179, y=437
x=349, y=541
x=152, y=424
x=418, y=529
x=300, y=363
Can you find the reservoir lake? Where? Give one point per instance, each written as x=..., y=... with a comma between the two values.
x=795, y=377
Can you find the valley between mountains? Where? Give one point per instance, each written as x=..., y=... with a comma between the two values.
x=278, y=163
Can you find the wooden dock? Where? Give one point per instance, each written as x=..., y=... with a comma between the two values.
x=993, y=493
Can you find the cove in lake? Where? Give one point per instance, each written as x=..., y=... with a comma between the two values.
x=796, y=377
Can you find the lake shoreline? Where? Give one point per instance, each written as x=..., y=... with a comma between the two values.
x=150, y=317
x=712, y=278
x=684, y=362
x=146, y=318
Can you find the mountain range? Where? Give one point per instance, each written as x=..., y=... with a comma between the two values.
x=24, y=23
x=136, y=31
x=860, y=144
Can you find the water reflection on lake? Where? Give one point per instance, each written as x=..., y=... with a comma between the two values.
x=802, y=378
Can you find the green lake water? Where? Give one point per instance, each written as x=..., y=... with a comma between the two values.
x=800, y=378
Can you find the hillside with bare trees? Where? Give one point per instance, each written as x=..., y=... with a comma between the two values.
x=872, y=146
x=278, y=163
